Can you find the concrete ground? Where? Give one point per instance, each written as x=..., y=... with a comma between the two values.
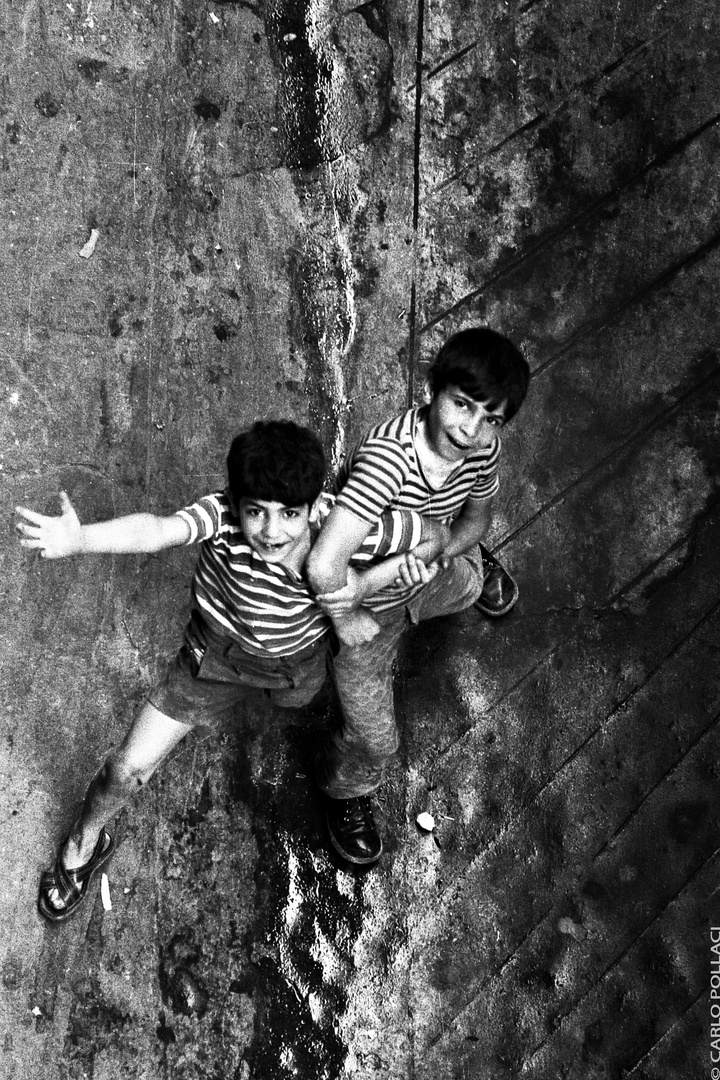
x=292, y=204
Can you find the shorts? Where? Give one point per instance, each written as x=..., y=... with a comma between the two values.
x=214, y=682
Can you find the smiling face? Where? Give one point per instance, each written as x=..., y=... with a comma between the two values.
x=276, y=532
x=458, y=425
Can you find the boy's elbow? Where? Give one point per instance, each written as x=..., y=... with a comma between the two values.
x=322, y=576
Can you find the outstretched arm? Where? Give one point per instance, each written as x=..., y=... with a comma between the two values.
x=64, y=535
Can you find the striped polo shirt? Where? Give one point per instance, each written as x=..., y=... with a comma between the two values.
x=383, y=471
x=266, y=607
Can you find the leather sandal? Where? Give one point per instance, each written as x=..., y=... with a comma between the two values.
x=71, y=885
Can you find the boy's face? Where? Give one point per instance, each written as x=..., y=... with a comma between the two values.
x=459, y=425
x=278, y=533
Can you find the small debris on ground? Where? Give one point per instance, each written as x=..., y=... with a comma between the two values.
x=571, y=928
x=86, y=251
x=105, y=892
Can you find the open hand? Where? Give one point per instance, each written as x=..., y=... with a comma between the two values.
x=53, y=537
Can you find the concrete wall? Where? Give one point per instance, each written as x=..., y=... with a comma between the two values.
x=295, y=204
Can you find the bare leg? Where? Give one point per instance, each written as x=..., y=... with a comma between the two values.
x=149, y=740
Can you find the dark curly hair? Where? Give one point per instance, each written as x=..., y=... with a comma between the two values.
x=276, y=461
x=485, y=365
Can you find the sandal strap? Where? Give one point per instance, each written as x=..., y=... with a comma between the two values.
x=67, y=887
x=102, y=850
x=69, y=883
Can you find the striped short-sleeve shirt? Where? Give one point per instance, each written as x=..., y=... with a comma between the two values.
x=266, y=607
x=384, y=471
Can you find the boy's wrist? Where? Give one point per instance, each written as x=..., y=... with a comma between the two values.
x=358, y=583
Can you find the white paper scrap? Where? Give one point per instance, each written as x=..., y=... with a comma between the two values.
x=86, y=251
x=105, y=892
x=426, y=822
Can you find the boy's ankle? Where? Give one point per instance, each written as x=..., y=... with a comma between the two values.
x=77, y=851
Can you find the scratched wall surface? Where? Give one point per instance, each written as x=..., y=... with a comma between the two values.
x=293, y=204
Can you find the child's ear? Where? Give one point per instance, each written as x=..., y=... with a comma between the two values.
x=427, y=393
x=321, y=508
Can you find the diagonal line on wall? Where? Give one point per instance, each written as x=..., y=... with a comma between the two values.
x=637, y=436
x=514, y=819
x=618, y=959
x=590, y=329
x=489, y=980
x=646, y=1054
x=583, y=87
x=703, y=734
x=566, y=227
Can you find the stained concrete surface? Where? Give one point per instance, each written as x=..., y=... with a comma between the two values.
x=296, y=203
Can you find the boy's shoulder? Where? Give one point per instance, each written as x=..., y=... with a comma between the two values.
x=397, y=429
x=391, y=440
x=210, y=515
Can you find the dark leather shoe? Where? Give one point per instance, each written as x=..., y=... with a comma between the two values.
x=500, y=592
x=352, y=829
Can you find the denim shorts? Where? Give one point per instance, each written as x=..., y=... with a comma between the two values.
x=213, y=682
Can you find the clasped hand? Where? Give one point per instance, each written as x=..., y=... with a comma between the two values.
x=343, y=600
x=53, y=537
x=411, y=571
x=414, y=571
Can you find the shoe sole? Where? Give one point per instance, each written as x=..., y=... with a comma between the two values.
x=495, y=613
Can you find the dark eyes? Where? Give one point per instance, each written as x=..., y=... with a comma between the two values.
x=256, y=512
x=494, y=421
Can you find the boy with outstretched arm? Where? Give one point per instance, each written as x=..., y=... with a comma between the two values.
x=254, y=624
x=441, y=460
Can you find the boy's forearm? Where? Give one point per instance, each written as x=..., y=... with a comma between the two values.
x=379, y=576
x=133, y=534
x=434, y=541
x=469, y=529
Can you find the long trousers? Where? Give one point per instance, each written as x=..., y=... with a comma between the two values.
x=354, y=758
